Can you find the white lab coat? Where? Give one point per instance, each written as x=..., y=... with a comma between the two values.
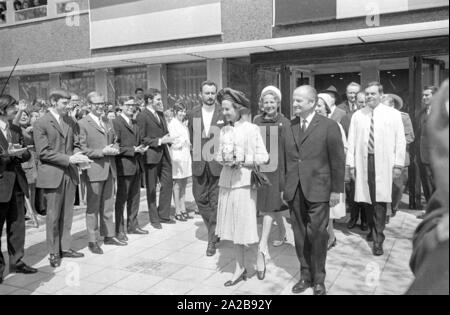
x=390, y=150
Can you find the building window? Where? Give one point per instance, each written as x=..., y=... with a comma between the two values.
x=34, y=87
x=127, y=80
x=64, y=7
x=80, y=83
x=2, y=12
x=184, y=82
x=30, y=9
x=238, y=74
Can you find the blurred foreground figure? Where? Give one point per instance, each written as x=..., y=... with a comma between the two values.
x=429, y=260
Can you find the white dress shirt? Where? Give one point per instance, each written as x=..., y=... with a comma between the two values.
x=4, y=128
x=97, y=121
x=332, y=109
x=127, y=119
x=207, y=114
x=308, y=120
x=56, y=115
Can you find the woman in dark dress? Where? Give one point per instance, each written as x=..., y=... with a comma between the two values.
x=269, y=198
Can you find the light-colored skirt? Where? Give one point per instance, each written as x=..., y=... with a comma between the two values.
x=236, y=215
x=339, y=211
x=181, y=164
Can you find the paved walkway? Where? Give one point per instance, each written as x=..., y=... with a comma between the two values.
x=173, y=261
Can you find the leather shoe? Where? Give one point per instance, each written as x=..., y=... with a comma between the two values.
x=351, y=224
x=364, y=227
x=71, y=254
x=55, y=261
x=211, y=250
x=22, y=268
x=301, y=286
x=157, y=226
x=122, y=237
x=168, y=221
x=242, y=277
x=114, y=241
x=138, y=231
x=369, y=237
x=319, y=289
x=378, y=250
x=95, y=249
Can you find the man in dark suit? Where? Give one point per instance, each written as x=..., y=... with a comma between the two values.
x=97, y=142
x=355, y=208
x=205, y=122
x=314, y=178
x=426, y=173
x=158, y=165
x=13, y=189
x=56, y=137
x=129, y=166
x=350, y=105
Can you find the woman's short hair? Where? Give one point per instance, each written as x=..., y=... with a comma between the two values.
x=178, y=107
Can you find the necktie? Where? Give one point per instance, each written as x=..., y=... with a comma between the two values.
x=157, y=117
x=304, y=122
x=372, y=136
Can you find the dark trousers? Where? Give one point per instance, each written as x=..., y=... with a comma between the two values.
x=60, y=203
x=100, y=209
x=13, y=213
x=163, y=172
x=426, y=177
x=128, y=192
x=398, y=187
x=377, y=211
x=309, y=223
x=356, y=208
x=206, y=194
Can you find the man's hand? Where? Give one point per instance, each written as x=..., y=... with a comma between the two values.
x=79, y=158
x=352, y=174
x=141, y=149
x=29, y=129
x=110, y=150
x=397, y=173
x=334, y=199
x=16, y=150
x=167, y=139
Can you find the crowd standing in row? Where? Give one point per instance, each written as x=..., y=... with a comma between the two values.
x=328, y=158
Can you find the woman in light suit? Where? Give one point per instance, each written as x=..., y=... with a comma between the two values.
x=181, y=160
x=241, y=148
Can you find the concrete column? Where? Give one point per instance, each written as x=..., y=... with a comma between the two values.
x=216, y=71
x=157, y=79
x=370, y=71
x=10, y=12
x=14, y=87
x=101, y=82
x=54, y=81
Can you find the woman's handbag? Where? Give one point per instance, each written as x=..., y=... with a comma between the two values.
x=258, y=179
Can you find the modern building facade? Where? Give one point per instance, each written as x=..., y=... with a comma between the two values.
x=116, y=46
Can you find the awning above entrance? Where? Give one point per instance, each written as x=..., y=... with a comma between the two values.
x=239, y=49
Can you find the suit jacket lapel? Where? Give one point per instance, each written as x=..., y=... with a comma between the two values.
x=95, y=125
x=295, y=127
x=56, y=124
x=311, y=127
x=152, y=117
x=132, y=128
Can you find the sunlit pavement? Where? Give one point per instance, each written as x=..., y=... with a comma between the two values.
x=173, y=261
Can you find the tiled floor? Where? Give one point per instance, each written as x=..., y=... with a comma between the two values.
x=173, y=261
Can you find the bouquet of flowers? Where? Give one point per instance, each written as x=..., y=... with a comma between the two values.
x=230, y=151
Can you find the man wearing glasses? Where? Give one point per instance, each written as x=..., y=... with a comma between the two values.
x=97, y=141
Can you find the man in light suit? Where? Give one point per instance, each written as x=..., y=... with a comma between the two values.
x=376, y=157
x=129, y=169
x=13, y=189
x=314, y=179
x=56, y=137
x=204, y=125
x=97, y=140
x=158, y=164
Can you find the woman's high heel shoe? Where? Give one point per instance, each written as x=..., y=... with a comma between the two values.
x=262, y=274
x=243, y=277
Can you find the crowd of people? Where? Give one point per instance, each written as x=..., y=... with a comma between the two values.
x=329, y=159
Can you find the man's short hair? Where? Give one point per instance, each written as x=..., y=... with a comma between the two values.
x=151, y=94
x=91, y=95
x=432, y=88
x=377, y=84
x=354, y=84
x=138, y=89
x=208, y=83
x=57, y=94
